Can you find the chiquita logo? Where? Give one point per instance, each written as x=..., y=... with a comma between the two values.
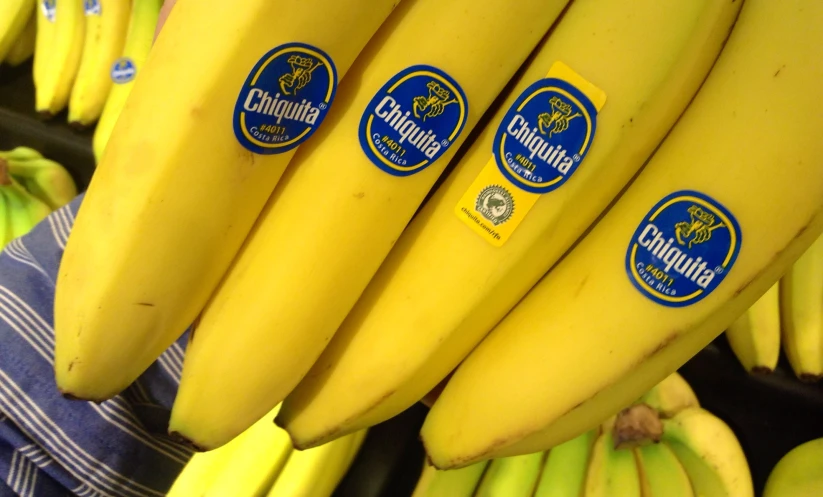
x=49, y=9
x=413, y=120
x=123, y=70
x=284, y=99
x=92, y=7
x=683, y=249
x=545, y=135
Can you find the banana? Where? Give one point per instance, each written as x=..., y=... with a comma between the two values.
x=23, y=48
x=661, y=474
x=23, y=210
x=444, y=287
x=755, y=336
x=511, y=476
x=259, y=455
x=327, y=253
x=200, y=144
x=59, y=48
x=317, y=472
x=801, y=301
x=14, y=20
x=798, y=473
x=591, y=364
x=47, y=180
x=455, y=483
x=138, y=41
x=564, y=474
x=710, y=453
x=20, y=153
x=612, y=472
x=199, y=473
x=106, y=27
x=670, y=396
x=5, y=219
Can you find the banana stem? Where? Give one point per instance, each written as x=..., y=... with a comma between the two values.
x=636, y=426
x=5, y=179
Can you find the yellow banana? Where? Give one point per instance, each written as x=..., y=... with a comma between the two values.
x=317, y=472
x=199, y=473
x=755, y=336
x=106, y=27
x=59, y=48
x=801, y=296
x=591, y=364
x=710, y=454
x=139, y=37
x=360, y=202
x=15, y=16
x=22, y=49
x=798, y=473
x=670, y=396
x=444, y=287
x=178, y=189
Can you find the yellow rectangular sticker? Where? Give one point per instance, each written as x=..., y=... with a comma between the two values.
x=542, y=139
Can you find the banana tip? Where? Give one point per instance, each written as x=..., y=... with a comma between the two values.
x=45, y=115
x=183, y=440
x=79, y=126
x=762, y=370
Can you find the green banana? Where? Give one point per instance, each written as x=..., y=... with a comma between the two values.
x=670, y=396
x=612, y=472
x=454, y=483
x=564, y=474
x=661, y=473
x=799, y=473
x=511, y=476
x=45, y=179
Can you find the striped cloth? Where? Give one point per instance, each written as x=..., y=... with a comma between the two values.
x=53, y=446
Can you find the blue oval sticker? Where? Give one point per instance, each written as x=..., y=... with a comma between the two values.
x=285, y=98
x=92, y=7
x=545, y=135
x=49, y=9
x=123, y=70
x=683, y=249
x=414, y=118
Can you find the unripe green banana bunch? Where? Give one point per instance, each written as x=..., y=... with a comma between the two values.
x=664, y=445
x=47, y=180
x=799, y=473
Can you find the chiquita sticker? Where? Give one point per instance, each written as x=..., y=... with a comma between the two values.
x=49, y=9
x=92, y=7
x=414, y=118
x=545, y=135
x=123, y=70
x=683, y=249
x=285, y=98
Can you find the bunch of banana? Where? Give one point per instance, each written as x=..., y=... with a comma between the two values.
x=139, y=36
x=58, y=50
x=31, y=187
x=260, y=462
x=222, y=114
x=411, y=110
x=730, y=199
x=801, y=301
x=444, y=285
x=23, y=48
x=664, y=445
x=15, y=24
x=799, y=473
x=106, y=28
x=755, y=336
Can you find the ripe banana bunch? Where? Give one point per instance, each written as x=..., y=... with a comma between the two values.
x=221, y=114
x=755, y=336
x=411, y=109
x=23, y=48
x=260, y=462
x=106, y=28
x=122, y=72
x=14, y=19
x=58, y=50
x=664, y=445
x=702, y=232
x=801, y=302
x=31, y=186
x=799, y=473
x=444, y=286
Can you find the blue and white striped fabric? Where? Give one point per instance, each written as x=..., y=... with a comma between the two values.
x=53, y=446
